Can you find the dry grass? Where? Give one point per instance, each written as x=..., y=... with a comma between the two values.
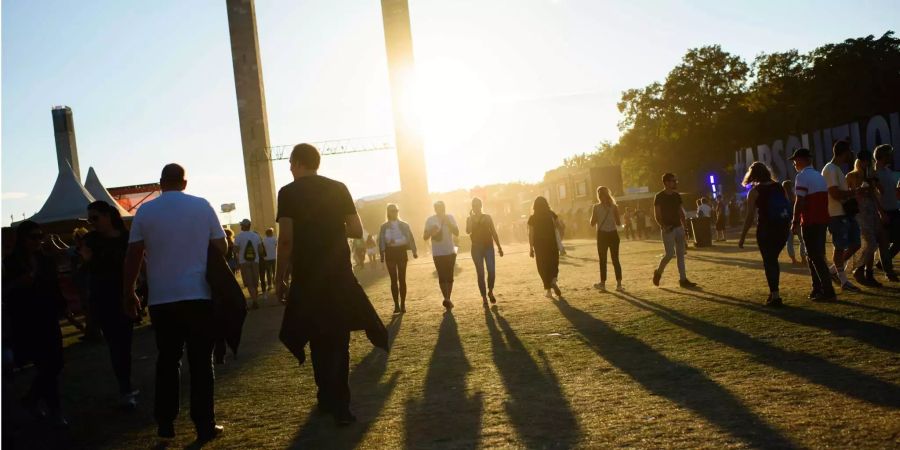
x=655, y=368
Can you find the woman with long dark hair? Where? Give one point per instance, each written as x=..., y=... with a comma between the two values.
x=394, y=240
x=104, y=251
x=767, y=201
x=542, y=228
x=33, y=304
x=605, y=216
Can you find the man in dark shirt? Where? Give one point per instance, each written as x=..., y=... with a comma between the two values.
x=669, y=216
x=315, y=216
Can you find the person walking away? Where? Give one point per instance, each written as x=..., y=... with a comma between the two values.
x=325, y=303
x=788, y=187
x=371, y=249
x=842, y=209
x=669, y=215
x=33, y=302
x=247, y=244
x=543, y=229
x=175, y=231
x=231, y=252
x=605, y=217
x=641, y=218
x=811, y=219
x=863, y=181
x=481, y=230
x=267, y=262
x=768, y=203
x=395, y=239
x=103, y=250
x=889, y=244
x=440, y=228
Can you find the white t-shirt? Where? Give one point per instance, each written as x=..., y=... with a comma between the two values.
x=444, y=243
x=834, y=176
x=394, y=236
x=240, y=245
x=271, y=245
x=176, y=229
x=705, y=210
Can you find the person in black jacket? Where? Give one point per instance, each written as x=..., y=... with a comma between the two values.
x=33, y=304
x=103, y=249
x=316, y=215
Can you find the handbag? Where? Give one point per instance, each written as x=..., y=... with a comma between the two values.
x=851, y=207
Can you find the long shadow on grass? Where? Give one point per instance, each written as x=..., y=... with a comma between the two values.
x=681, y=384
x=746, y=263
x=875, y=334
x=370, y=395
x=537, y=407
x=817, y=370
x=445, y=416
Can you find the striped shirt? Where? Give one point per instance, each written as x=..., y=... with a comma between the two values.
x=811, y=185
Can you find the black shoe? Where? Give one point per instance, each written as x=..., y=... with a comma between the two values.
x=656, y=277
x=859, y=274
x=210, y=433
x=815, y=293
x=872, y=282
x=827, y=297
x=166, y=430
x=344, y=418
x=849, y=287
x=687, y=284
x=396, y=308
x=774, y=301
x=448, y=304
x=491, y=296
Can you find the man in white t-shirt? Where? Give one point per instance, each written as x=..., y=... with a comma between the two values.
x=247, y=244
x=267, y=263
x=845, y=234
x=173, y=233
x=441, y=228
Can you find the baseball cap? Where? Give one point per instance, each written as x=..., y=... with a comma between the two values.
x=800, y=153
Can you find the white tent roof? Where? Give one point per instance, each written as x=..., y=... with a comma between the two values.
x=95, y=188
x=67, y=201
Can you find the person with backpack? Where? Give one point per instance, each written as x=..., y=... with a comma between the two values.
x=767, y=201
x=247, y=244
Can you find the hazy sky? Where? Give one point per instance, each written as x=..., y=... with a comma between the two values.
x=509, y=87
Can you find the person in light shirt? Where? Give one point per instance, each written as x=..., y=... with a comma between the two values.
x=267, y=263
x=845, y=233
x=394, y=241
x=440, y=228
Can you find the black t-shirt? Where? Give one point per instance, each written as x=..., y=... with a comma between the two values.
x=106, y=266
x=318, y=207
x=670, y=208
x=481, y=231
x=544, y=229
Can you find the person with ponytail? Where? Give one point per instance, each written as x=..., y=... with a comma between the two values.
x=483, y=234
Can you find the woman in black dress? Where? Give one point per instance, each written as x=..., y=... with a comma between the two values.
x=542, y=228
x=33, y=304
x=104, y=253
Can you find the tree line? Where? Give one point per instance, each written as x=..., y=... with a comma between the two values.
x=714, y=103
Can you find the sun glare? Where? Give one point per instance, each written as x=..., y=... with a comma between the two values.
x=453, y=102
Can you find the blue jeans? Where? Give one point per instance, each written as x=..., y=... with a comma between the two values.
x=484, y=256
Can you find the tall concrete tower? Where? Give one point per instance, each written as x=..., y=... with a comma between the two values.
x=64, y=132
x=401, y=69
x=251, y=101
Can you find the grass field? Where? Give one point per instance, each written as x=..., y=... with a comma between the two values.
x=649, y=368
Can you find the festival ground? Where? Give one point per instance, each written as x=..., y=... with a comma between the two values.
x=651, y=367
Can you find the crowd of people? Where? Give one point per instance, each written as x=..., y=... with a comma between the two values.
x=160, y=264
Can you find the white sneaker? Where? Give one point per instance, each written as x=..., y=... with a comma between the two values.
x=129, y=400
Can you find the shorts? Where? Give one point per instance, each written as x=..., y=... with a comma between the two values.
x=250, y=274
x=445, y=265
x=844, y=232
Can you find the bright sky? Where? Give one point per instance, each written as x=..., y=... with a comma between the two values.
x=510, y=87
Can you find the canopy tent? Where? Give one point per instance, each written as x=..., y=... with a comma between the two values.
x=67, y=201
x=95, y=188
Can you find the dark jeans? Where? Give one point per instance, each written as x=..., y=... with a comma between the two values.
x=117, y=330
x=331, y=369
x=483, y=257
x=771, y=241
x=395, y=259
x=814, y=238
x=608, y=240
x=178, y=324
x=266, y=274
x=547, y=259
x=444, y=264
